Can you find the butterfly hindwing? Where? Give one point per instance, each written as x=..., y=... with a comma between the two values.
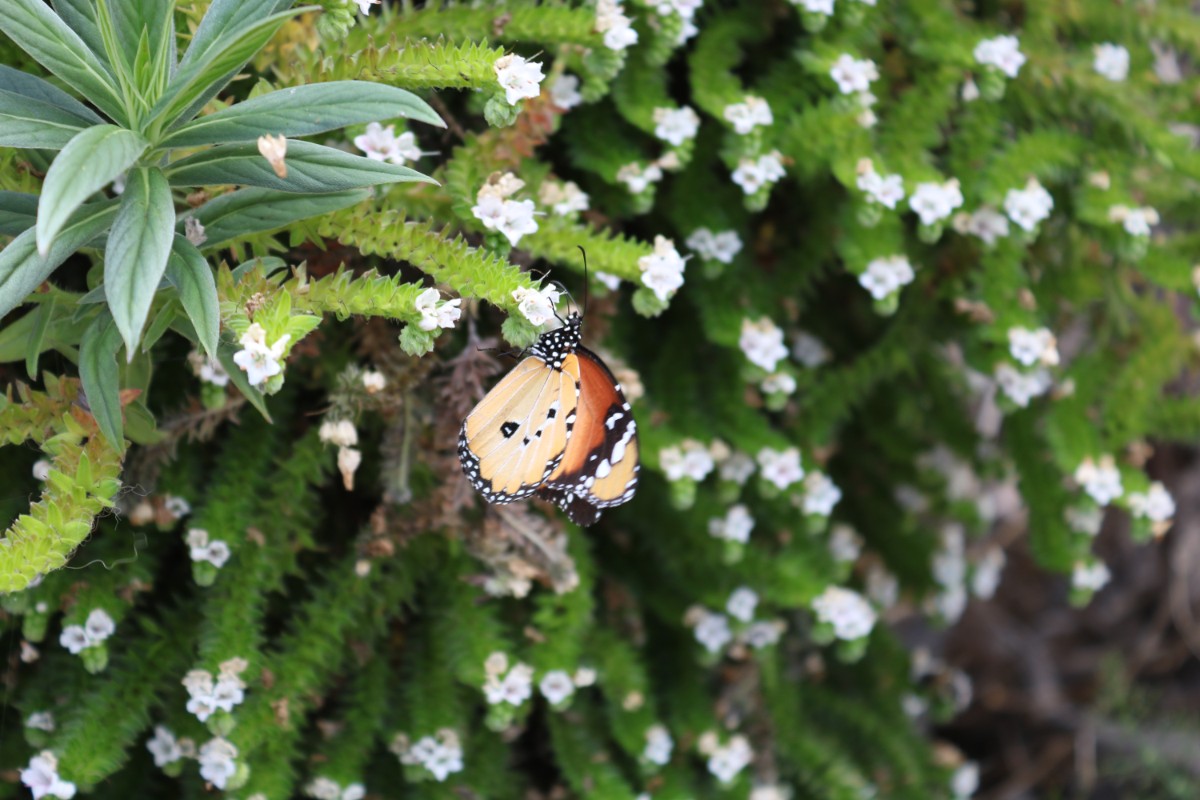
x=518, y=434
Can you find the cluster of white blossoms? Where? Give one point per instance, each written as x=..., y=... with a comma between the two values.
x=1087, y=520
x=1031, y=347
x=202, y=549
x=207, y=369
x=853, y=75
x=1154, y=504
x=617, y=28
x=676, y=125
x=638, y=178
x=689, y=459
x=42, y=778
x=436, y=313
x=343, y=434
x=762, y=342
x=494, y=208
x=206, y=696
x=883, y=588
x=218, y=761
x=441, y=754
x=1090, y=576
x=710, y=629
x=323, y=788
x=93, y=632
x=847, y=611
x=503, y=685
x=986, y=223
x=1022, y=387
x=950, y=574
x=965, y=781
x=662, y=270
x=1111, y=61
x=256, y=359
x=933, y=202
x=778, y=383
x=845, y=545
x=820, y=494
x=687, y=12
x=809, y=350
x=364, y=6
x=564, y=199
x=886, y=190
x=741, y=603
x=41, y=721
x=886, y=275
x=518, y=77
x=659, y=745
x=556, y=686
x=748, y=114
x=725, y=761
x=780, y=468
x=564, y=92
x=373, y=381
x=382, y=144
x=537, y=305
x=166, y=749
x=735, y=526
x=1029, y=206
x=735, y=467
x=754, y=173
x=715, y=246
x=1003, y=53
x=1102, y=481
x=1135, y=221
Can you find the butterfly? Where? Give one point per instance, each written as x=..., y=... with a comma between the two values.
x=558, y=426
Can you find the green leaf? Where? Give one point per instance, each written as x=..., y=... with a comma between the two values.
x=191, y=276
x=223, y=19
x=99, y=373
x=137, y=251
x=62, y=332
x=311, y=169
x=239, y=379
x=41, y=323
x=80, y=15
x=159, y=325
x=256, y=210
x=35, y=88
x=28, y=123
x=21, y=268
x=117, y=54
x=18, y=212
x=190, y=82
x=303, y=111
x=135, y=19
x=87, y=164
x=43, y=35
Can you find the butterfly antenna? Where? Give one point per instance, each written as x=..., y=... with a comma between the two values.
x=585, y=279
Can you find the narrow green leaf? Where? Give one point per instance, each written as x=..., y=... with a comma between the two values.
x=158, y=326
x=28, y=123
x=224, y=19
x=100, y=376
x=43, y=35
x=18, y=212
x=21, y=268
x=303, y=111
x=41, y=323
x=63, y=330
x=138, y=19
x=118, y=56
x=89, y=162
x=35, y=88
x=137, y=252
x=256, y=210
x=311, y=169
x=80, y=16
x=189, y=272
x=239, y=379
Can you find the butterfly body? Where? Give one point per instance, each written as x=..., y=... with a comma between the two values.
x=557, y=425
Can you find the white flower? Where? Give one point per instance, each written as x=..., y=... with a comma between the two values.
x=584, y=677
x=1087, y=520
x=364, y=6
x=970, y=91
x=809, y=350
x=887, y=190
x=616, y=27
x=845, y=545
x=727, y=761
x=537, y=305
x=519, y=78
x=691, y=459
x=846, y=610
x=741, y=603
x=752, y=111
x=353, y=791
x=1021, y=387
x=228, y=693
x=780, y=467
x=824, y=7
x=639, y=178
x=1112, y=61
x=41, y=721
x=217, y=763
x=1102, y=481
x=1029, y=206
x=662, y=270
x=164, y=747
x=378, y=143
x=564, y=92
x=99, y=626
x=762, y=342
x=373, y=381
x=610, y=282
x=987, y=572
x=882, y=585
x=42, y=778
x=1090, y=576
x=752, y=174
x=935, y=201
x=713, y=631
x=866, y=117
x=435, y=314
x=737, y=467
x=445, y=756
x=764, y=634
x=659, y=745
x=274, y=150
x=1002, y=52
x=208, y=369
x=676, y=125
x=258, y=361
x=556, y=686
x=1033, y=346
x=514, y=689
x=965, y=781
x=322, y=788
x=778, y=383
x=74, y=638
x=565, y=198
x=853, y=74
x=340, y=432
x=513, y=218
x=710, y=246
x=820, y=494
x=987, y=223
x=886, y=275
x=200, y=548
x=735, y=526
x=1156, y=504
x=41, y=469
x=1136, y=221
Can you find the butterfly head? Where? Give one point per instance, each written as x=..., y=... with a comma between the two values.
x=554, y=346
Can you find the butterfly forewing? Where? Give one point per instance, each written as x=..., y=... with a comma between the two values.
x=517, y=435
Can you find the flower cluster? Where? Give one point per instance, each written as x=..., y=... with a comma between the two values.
x=382, y=144
x=441, y=754
x=537, y=305
x=166, y=749
x=1111, y=61
x=720, y=246
x=1135, y=221
x=847, y=612
x=1021, y=387
x=322, y=788
x=92, y=633
x=564, y=199
x=208, y=369
x=845, y=545
x=725, y=761
x=494, y=208
x=617, y=28
x=853, y=75
x=42, y=778
x=659, y=745
x=201, y=549
x=557, y=687
x=638, y=178
x=1100, y=480
x=662, y=270
x=781, y=468
x=689, y=459
x=206, y=696
x=933, y=202
x=1003, y=53
x=1090, y=576
x=986, y=223
x=809, y=350
x=1029, y=206
x=820, y=494
x=218, y=761
x=753, y=174
x=1031, y=347
x=518, y=78
x=886, y=190
x=778, y=383
x=256, y=359
x=748, y=114
x=676, y=125
x=950, y=574
x=1154, y=504
x=513, y=688
x=564, y=92
x=762, y=342
x=886, y=275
